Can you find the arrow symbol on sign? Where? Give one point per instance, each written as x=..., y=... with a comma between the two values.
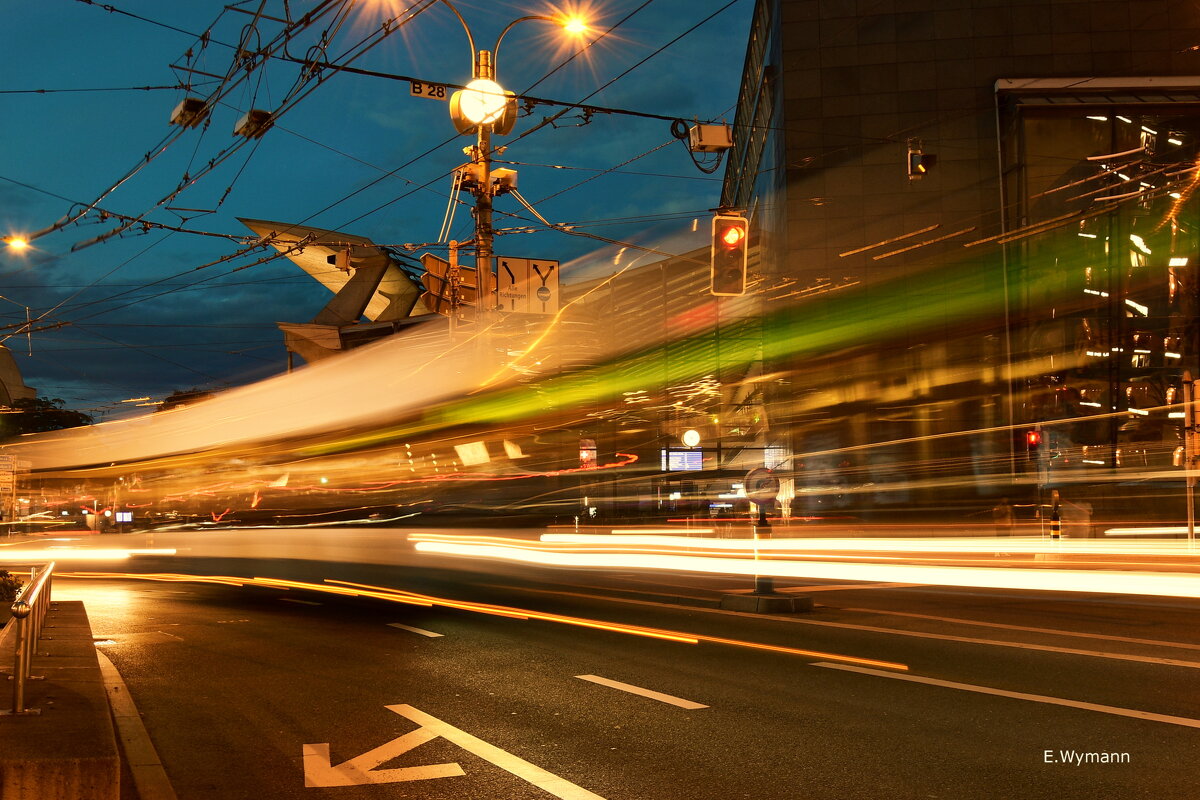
x=319, y=772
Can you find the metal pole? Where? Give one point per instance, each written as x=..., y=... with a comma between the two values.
x=763, y=584
x=1189, y=453
x=483, y=224
x=20, y=611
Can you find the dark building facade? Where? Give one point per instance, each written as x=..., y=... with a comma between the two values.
x=998, y=201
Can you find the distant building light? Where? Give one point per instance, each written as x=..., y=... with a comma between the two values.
x=1139, y=243
x=1174, y=141
x=1125, y=119
x=1178, y=261
x=1088, y=235
x=1123, y=176
x=1175, y=195
x=1098, y=118
x=1095, y=354
x=1090, y=461
x=1091, y=405
x=1169, y=354
x=1176, y=415
x=1141, y=309
x=1141, y=412
x=1096, y=292
x=1150, y=130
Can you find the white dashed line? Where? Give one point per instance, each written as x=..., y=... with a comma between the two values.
x=653, y=695
x=421, y=631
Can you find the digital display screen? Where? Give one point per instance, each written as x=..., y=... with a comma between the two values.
x=682, y=460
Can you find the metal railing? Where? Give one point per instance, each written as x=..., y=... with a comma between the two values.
x=29, y=612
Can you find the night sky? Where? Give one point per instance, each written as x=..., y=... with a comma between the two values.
x=148, y=312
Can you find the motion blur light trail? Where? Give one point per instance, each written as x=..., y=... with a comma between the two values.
x=79, y=554
x=349, y=589
x=1161, y=584
x=1007, y=544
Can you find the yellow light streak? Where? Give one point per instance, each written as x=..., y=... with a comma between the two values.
x=349, y=588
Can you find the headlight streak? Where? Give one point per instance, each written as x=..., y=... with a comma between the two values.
x=1005, y=544
x=350, y=589
x=1007, y=551
x=79, y=554
x=1162, y=584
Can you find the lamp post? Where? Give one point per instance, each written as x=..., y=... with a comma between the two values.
x=485, y=107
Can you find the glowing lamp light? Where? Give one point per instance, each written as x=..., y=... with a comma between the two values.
x=690, y=437
x=733, y=235
x=483, y=102
x=1033, y=438
x=17, y=242
x=575, y=26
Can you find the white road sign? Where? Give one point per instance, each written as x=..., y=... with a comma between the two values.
x=434, y=91
x=320, y=772
x=527, y=285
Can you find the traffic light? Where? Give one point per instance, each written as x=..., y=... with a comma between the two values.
x=919, y=163
x=730, y=240
x=1033, y=441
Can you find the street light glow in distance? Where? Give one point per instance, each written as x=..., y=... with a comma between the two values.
x=17, y=242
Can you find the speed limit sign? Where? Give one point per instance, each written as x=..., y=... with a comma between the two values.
x=761, y=486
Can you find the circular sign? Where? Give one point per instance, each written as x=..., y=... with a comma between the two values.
x=761, y=486
x=543, y=294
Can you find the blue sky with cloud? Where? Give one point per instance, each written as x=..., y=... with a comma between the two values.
x=148, y=312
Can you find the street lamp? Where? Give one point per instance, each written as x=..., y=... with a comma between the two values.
x=486, y=108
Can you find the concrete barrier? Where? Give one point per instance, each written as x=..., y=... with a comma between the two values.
x=68, y=750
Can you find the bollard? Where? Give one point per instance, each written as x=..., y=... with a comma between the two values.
x=1055, y=524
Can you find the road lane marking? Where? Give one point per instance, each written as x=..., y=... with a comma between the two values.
x=294, y=600
x=319, y=771
x=1169, y=662
x=627, y=687
x=149, y=777
x=1037, y=698
x=1056, y=631
x=421, y=631
x=546, y=781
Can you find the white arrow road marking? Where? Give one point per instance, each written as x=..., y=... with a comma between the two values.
x=421, y=631
x=629, y=687
x=319, y=771
x=546, y=781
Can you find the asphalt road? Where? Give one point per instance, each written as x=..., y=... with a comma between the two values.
x=237, y=685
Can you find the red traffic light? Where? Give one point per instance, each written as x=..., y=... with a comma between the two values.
x=1033, y=438
x=732, y=235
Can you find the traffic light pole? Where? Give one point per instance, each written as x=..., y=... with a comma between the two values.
x=484, y=233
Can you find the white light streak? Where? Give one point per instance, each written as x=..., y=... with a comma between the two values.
x=1162, y=584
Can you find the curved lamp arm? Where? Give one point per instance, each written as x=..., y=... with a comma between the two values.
x=470, y=38
x=509, y=27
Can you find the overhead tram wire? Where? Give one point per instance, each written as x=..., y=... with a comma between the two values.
x=422, y=155
x=306, y=83
x=154, y=152
x=411, y=12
